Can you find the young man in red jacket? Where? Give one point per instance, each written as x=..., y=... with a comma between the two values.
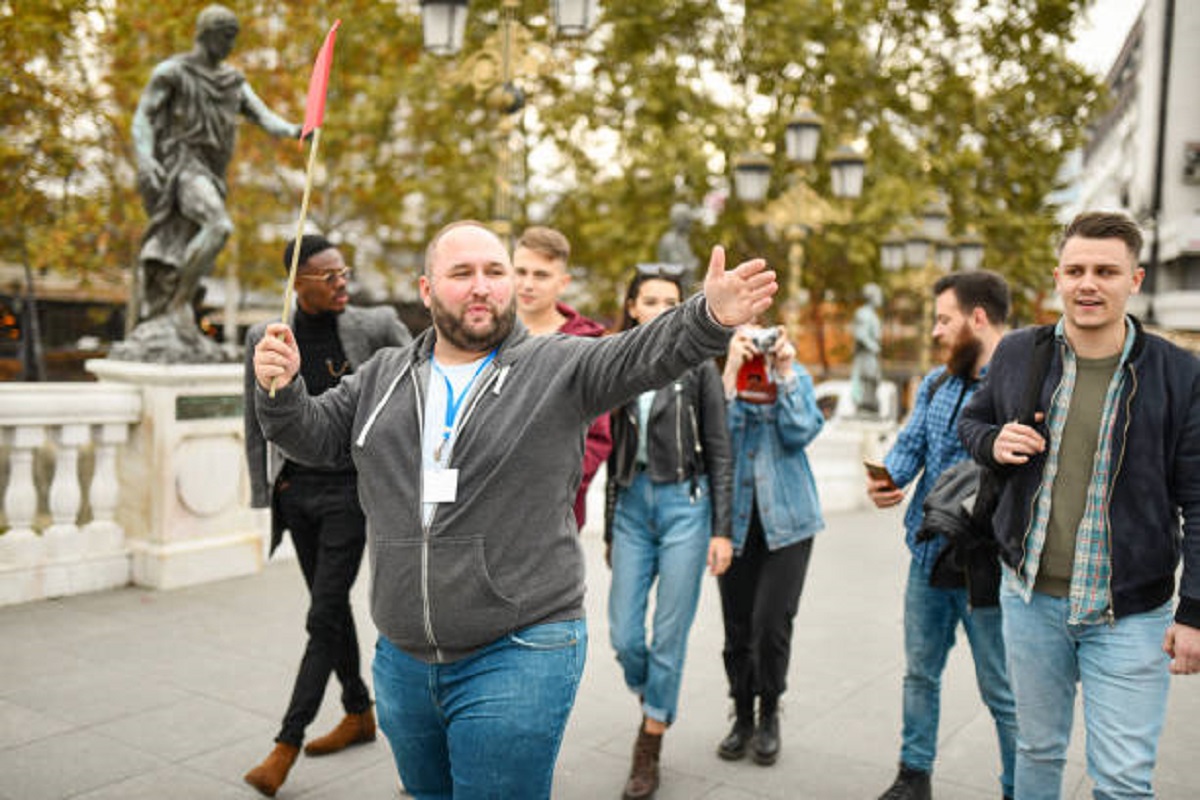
x=540, y=261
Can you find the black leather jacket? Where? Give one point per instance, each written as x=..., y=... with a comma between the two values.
x=688, y=437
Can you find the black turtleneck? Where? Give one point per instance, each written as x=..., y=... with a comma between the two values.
x=322, y=363
x=322, y=360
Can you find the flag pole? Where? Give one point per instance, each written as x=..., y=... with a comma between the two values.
x=314, y=116
x=308, y=178
x=290, y=289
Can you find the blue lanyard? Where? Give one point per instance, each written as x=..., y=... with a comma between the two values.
x=452, y=404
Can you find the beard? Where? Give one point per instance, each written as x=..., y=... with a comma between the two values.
x=964, y=354
x=452, y=328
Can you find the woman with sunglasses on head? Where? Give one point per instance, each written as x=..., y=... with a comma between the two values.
x=773, y=415
x=666, y=516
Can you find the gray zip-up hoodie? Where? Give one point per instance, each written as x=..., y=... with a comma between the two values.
x=505, y=554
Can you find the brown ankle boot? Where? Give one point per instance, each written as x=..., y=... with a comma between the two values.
x=643, y=775
x=353, y=729
x=268, y=776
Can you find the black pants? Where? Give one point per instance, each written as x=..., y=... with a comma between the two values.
x=760, y=593
x=329, y=532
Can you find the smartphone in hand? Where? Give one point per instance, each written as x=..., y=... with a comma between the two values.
x=879, y=472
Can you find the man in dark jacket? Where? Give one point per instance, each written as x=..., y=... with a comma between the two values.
x=540, y=264
x=319, y=506
x=468, y=446
x=1089, y=519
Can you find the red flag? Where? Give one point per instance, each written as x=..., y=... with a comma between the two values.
x=314, y=106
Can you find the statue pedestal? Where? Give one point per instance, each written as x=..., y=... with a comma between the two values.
x=837, y=454
x=184, y=487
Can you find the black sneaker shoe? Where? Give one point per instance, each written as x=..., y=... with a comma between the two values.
x=733, y=747
x=910, y=784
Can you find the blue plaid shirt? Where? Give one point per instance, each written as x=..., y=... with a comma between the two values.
x=927, y=446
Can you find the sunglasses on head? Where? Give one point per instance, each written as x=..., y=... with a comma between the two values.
x=661, y=270
x=329, y=276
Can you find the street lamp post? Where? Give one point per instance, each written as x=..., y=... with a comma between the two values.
x=491, y=70
x=928, y=252
x=799, y=209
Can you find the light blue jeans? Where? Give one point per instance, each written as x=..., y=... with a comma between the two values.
x=931, y=616
x=1123, y=671
x=487, y=726
x=660, y=530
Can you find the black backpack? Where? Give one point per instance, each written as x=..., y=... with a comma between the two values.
x=963, y=499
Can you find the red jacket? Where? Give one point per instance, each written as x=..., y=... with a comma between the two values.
x=599, y=437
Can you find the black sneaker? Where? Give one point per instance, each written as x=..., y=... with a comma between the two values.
x=910, y=784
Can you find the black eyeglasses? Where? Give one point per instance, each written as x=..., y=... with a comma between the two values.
x=657, y=269
x=329, y=276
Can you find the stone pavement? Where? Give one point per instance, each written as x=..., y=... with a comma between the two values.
x=136, y=694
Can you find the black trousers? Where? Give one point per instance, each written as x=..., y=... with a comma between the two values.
x=329, y=533
x=760, y=593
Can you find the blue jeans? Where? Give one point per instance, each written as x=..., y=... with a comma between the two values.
x=660, y=530
x=1123, y=671
x=488, y=725
x=931, y=616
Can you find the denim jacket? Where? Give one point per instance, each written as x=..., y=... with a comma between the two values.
x=770, y=466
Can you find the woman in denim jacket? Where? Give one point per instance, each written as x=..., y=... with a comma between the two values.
x=667, y=514
x=772, y=416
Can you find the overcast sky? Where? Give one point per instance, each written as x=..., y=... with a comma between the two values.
x=1102, y=31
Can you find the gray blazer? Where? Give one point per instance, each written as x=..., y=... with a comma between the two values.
x=362, y=331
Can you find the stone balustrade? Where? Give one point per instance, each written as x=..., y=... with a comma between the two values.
x=60, y=445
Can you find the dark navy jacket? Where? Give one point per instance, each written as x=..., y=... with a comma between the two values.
x=1155, y=469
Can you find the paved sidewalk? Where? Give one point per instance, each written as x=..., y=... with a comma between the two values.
x=136, y=694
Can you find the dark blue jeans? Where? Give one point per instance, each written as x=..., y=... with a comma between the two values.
x=488, y=725
x=328, y=532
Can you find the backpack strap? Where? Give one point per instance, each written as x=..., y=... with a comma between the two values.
x=1039, y=367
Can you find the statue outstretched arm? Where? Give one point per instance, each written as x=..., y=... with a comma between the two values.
x=255, y=110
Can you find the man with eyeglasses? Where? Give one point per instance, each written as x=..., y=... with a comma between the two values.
x=319, y=506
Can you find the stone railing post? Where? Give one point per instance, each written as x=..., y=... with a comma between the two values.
x=103, y=534
x=21, y=546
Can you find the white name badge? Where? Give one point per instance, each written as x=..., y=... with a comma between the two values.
x=439, y=485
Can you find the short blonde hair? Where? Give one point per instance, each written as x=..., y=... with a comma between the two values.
x=546, y=242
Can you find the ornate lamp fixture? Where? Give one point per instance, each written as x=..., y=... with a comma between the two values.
x=443, y=25
x=970, y=251
x=847, y=167
x=751, y=176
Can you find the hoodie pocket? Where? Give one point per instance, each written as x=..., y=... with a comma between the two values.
x=396, y=593
x=466, y=608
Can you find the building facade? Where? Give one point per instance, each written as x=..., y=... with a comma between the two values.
x=1144, y=156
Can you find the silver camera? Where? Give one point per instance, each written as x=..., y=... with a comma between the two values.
x=764, y=339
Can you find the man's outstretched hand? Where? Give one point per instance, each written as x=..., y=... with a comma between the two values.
x=737, y=296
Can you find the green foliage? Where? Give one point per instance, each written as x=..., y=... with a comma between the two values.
x=974, y=100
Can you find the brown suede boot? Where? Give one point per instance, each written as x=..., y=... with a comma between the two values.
x=643, y=775
x=353, y=729
x=268, y=776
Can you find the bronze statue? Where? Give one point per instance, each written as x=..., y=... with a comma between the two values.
x=183, y=134
x=865, y=371
x=674, y=247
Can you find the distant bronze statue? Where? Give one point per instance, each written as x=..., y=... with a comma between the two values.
x=183, y=134
x=866, y=372
x=674, y=247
